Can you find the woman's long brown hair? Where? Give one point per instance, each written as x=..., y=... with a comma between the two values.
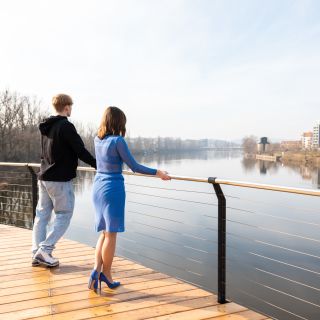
x=113, y=122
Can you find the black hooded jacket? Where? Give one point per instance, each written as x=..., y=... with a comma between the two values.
x=61, y=147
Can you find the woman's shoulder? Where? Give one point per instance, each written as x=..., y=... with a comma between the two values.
x=107, y=138
x=119, y=138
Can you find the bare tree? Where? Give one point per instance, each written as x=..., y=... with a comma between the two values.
x=19, y=119
x=249, y=144
x=20, y=138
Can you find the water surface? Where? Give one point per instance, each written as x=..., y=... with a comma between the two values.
x=272, y=238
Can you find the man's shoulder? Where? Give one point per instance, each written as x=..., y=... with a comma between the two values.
x=67, y=131
x=66, y=125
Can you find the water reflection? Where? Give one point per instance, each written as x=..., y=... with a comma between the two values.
x=271, y=236
x=174, y=231
x=164, y=158
x=316, y=178
x=307, y=172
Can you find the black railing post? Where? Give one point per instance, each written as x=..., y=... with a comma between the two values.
x=34, y=187
x=221, y=240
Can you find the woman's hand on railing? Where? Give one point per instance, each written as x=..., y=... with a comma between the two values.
x=163, y=175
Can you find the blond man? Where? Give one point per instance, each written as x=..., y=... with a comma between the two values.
x=61, y=147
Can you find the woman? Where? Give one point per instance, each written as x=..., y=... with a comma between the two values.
x=108, y=191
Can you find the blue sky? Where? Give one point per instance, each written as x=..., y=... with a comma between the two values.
x=191, y=68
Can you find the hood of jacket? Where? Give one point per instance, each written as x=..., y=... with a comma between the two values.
x=46, y=125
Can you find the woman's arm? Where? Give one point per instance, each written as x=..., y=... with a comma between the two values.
x=127, y=158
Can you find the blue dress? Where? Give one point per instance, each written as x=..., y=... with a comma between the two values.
x=108, y=186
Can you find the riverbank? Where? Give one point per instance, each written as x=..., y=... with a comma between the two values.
x=311, y=158
x=307, y=158
x=267, y=157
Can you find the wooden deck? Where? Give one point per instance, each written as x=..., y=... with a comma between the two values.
x=61, y=293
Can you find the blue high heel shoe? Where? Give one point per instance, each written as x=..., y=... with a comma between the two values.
x=111, y=285
x=93, y=280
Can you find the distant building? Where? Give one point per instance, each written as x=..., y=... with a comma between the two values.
x=307, y=140
x=316, y=136
x=263, y=145
x=293, y=145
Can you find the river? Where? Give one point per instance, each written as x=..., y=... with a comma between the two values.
x=272, y=238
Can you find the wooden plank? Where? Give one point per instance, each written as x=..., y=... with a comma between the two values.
x=21, y=276
x=164, y=310
x=67, y=267
x=22, y=253
x=244, y=315
x=59, y=248
x=88, y=257
x=27, y=247
x=77, y=266
x=61, y=293
x=112, y=308
x=128, y=277
x=195, y=311
x=29, y=269
x=80, y=279
x=61, y=256
x=27, y=258
x=14, y=298
x=77, y=309
x=26, y=241
x=46, y=276
x=85, y=294
x=132, y=279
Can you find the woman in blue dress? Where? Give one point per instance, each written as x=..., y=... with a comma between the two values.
x=108, y=191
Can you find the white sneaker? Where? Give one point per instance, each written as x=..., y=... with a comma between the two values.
x=45, y=258
x=35, y=262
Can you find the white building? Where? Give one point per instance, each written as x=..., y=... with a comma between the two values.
x=316, y=136
x=307, y=140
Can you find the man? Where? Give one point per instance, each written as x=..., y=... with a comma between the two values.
x=61, y=147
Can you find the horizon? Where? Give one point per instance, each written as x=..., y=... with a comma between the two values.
x=91, y=125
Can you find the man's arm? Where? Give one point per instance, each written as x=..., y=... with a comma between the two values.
x=72, y=137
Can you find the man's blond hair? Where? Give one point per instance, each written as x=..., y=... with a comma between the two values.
x=60, y=101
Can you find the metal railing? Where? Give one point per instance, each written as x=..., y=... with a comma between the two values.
x=216, y=183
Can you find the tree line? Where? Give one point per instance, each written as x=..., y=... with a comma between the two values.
x=250, y=145
x=20, y=116
x=19, y=119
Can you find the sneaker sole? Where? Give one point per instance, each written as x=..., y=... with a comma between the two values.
x=46, y=263
x=35, y=263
